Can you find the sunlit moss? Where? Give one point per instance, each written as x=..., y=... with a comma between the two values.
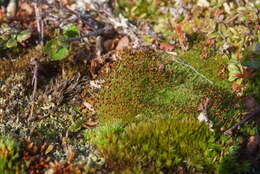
x=163, y=145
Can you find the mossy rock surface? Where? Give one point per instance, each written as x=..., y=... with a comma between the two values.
x=150, y=100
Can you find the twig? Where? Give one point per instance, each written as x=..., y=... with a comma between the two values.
x=35, y=63
x=90, y=21
x=231, y=19
x=190, y=67
x=39, y=22
x=248, y=117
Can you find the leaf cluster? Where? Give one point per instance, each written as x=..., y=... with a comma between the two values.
x=10, y=38
x=59, y=48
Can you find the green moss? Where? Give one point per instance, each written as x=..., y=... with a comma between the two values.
x=162, y=146
x=9, y=156
x=209, y=67
x=101, y=135
x=148, y=110
x=138, y=86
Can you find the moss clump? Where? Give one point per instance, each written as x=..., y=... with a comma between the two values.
x=9, y=156
x=148, y=109
x=164, y=145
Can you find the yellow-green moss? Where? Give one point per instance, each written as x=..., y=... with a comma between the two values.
x=164, y=145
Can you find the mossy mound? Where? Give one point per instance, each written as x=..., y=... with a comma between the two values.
x=148, y=109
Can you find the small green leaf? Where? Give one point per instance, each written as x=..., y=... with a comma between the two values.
x=24, y=35
x=233, y=68
x=11, y=43
x=71, y=31
x=60, y=54
x=56, y=50
x=232, y=77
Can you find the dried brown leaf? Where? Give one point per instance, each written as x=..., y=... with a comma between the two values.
x=26, y=7
x=236, y=87
x=49, y=149
x=123, y=43
x=110, y=44
x=166, y=46
x=95, y=66
x=30, y=146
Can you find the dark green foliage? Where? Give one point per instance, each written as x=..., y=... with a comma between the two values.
x=252, y=62
x=11, y=38
x=228, y=166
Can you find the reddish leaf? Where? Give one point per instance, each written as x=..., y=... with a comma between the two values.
x=123, y=43
x=239, y=75
x=182, y=37
x=248, y=73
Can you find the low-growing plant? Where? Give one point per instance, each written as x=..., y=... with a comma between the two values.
x=100, y=136
x=231, y=163
x=59, y=48
x=11, y=38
